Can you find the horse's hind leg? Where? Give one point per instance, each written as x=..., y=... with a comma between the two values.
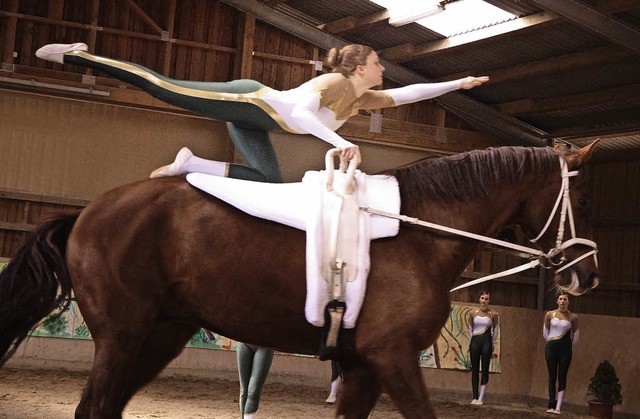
x=109, y=375
x=358, y=394
x=123, y=365
x=163, y=344
x=401, y=378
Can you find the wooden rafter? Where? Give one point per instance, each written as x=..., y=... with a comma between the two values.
x=562, y=63
x=410, y=52
x=144, y=16
x=139, y=35
x=530, y=106
x=10, y=36
x=596, y=21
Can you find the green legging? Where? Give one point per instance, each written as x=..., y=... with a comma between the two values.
x=248, y=124
x=253, y=366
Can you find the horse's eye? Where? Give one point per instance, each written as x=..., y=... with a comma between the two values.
x=583, y=202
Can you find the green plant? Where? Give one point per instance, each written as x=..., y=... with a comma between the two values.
x=55, y=324
x=604, y=386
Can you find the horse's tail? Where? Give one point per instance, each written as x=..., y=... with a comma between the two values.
x=35, y=282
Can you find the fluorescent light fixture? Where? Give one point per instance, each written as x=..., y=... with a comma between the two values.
x=403, y=13
x=458, y=17
x=465, y=16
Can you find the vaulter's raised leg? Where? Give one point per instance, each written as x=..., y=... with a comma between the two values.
x=223, y=101
x=235, y=102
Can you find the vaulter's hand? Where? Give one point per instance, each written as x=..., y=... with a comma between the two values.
x=352, y=152
x=471, y=82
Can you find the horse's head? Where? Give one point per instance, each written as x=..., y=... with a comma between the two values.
x=556, y=216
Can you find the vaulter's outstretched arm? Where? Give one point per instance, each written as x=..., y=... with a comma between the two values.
x=412, y=93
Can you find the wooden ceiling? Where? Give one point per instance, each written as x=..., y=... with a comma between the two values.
x=562, y=70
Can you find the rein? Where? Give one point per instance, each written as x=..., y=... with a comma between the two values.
x=536, y=255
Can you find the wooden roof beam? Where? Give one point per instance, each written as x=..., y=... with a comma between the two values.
x=590, y=128
x=595, y=21
x=144, y=16
x=507, y=28
x=490, y=32
x=351, y=24
x=528, y=106
x=560, y=64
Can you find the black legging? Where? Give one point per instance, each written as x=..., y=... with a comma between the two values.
x=481, y=346
x=558, y=353
x=335, y=370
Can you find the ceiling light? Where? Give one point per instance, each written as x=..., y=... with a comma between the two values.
x=460, y=16
x=400, y=15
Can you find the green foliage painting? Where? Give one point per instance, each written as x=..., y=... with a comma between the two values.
x=451, y=351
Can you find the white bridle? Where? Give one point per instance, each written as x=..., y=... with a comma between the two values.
x=536, y=255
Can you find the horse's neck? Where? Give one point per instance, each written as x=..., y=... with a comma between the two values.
x=480, y=216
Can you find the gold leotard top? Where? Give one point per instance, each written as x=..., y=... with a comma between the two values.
x=321, y=105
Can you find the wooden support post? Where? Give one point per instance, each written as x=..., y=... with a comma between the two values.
x=246, y=52
x=171, y=19
x=315, y=58
x=244, y=60
x=93, y=32
x=10, y=35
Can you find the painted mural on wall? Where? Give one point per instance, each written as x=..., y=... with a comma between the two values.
x=451, y=350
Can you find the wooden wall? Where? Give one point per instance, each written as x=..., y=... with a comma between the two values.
x=207, y=40
x=616, y=223
x=199, y=40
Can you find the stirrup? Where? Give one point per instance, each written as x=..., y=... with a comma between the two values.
x=331, y=331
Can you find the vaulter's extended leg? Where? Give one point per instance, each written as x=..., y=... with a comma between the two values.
x=233, y=102
x=223, y=101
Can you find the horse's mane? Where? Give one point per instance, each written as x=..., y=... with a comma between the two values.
x=473, y=174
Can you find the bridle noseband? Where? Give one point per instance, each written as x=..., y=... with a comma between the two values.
x=565, y=212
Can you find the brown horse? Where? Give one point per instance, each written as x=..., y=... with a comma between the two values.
x=152, y=262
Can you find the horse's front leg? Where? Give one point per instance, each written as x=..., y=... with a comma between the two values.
x=358, y=393
x=400, y=376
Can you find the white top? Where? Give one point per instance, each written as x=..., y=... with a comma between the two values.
x=481, y=324
x=323, y=104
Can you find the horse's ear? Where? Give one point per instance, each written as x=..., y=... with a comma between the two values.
x=560, y=147
x=579, y=159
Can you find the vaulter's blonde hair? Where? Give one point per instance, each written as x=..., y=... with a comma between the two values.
x=346, y=59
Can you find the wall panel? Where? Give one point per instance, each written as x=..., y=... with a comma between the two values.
x=78, y=149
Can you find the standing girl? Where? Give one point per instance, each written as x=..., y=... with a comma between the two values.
x=561, y=333
x=484, y=328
